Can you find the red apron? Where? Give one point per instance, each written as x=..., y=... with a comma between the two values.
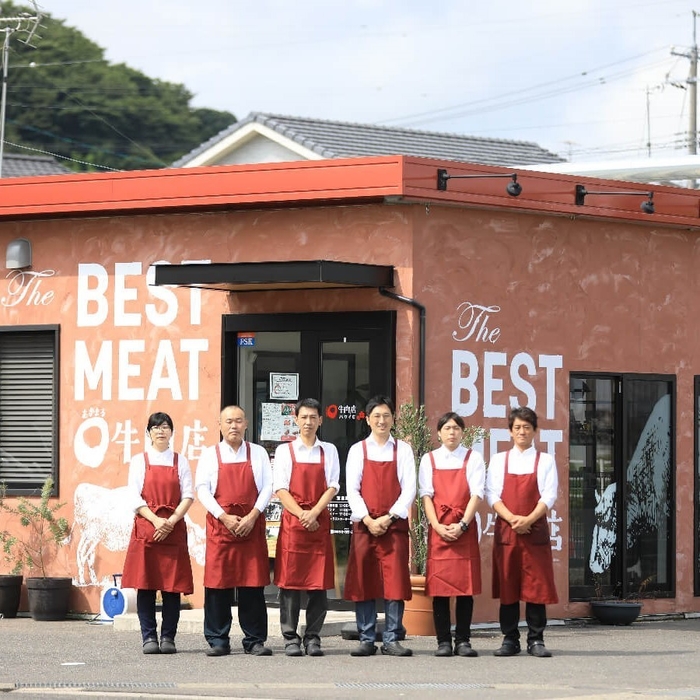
x=305, y=559
x=522, y=564
x=453, y=568
x=378, y=566
x=231, y=561
x=165, y=565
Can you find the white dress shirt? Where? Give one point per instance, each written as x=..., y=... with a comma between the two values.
x=475, y=472
x=137, y=474
x=405, y=471
x=207, y=476
x=282, y=472
x=523, y=463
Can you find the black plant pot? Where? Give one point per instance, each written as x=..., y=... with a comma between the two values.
x=615, y=612
x=10, y=593
x=49, y=598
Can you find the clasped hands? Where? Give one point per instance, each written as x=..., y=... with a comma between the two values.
x=520, y=524
x=309, y=520
x=237, y=525
x=449, y=533
x=377, y=526
x=163, y=527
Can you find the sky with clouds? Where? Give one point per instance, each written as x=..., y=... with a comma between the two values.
x=589, y=80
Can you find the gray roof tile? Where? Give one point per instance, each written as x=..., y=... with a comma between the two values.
x=17, y=165
x=332, y=139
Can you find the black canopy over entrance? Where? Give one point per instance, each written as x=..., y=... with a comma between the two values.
x=265, y=276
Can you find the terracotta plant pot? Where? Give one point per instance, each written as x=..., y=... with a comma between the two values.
x=615, y=612
x=418, y=614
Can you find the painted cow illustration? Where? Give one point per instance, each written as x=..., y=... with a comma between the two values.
x=647, y=505
x=105, y=518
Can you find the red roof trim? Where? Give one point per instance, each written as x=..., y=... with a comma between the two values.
x=346, y=181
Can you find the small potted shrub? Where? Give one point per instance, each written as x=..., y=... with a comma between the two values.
x=33, y=550
x=611, y=610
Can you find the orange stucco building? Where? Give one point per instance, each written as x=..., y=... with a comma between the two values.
x=184, y=290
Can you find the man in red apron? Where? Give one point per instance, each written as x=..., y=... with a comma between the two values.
x=381, y=487
x=306, y=476
x=234, y=484
x=521, y=486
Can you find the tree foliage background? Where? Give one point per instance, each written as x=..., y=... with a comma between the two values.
x=64, y=98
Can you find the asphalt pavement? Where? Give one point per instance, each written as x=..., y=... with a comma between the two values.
x=652, y=658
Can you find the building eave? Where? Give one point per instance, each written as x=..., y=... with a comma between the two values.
x=338, y=182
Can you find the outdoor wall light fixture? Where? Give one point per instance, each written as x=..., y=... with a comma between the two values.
x=513, y=188
x=18, y=254
x=647, y=207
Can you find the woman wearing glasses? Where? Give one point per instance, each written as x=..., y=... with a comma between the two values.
x=160, y=483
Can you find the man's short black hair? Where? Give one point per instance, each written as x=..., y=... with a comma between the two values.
x=308, y=403
x=524, y=413
x=379, y=400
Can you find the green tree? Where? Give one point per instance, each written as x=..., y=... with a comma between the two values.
x=63, y=97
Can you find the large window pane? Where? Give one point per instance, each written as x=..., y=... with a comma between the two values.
x=621, y=485
x=648, y=495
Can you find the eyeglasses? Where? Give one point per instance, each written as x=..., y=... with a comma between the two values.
x=162, y=428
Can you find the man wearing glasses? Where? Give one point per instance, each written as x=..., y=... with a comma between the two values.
x=234, y=484
x=381, y=488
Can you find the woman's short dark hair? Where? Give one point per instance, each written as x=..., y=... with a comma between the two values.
x=379, y=400
x=156, y=419
x=523, y=413
x=447, y=417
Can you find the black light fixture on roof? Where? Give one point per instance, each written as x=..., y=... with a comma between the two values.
x=513, y=188
x=647, y=206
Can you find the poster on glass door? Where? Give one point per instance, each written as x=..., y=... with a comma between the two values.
x=278, y=423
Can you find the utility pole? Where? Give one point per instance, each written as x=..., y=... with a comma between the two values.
x=693, y=93
x=692, y=89
x=25, y=23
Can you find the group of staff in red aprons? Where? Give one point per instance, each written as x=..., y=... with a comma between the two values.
x=521, y=487
x=234, y=482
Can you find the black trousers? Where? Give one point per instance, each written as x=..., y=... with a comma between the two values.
x=535, y=616
x=252, y=616
x=463, y=618
x=316, y=609
x=146, y=610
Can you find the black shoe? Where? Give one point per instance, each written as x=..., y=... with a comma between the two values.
x=259, y=649
x=465, y=649
x=395, y=649
x=293, y=649
x=364, y=649
x=538, y=649
x=444, y=649
x=150, y=646
x=218, y=651
x=507, y=649
x=167, y=646
x=314, y=649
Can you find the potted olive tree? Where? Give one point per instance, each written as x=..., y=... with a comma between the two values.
x=44, y=532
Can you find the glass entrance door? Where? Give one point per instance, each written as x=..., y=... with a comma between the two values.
x=272, y=361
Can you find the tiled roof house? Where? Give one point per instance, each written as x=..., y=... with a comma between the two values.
x=269, y=138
